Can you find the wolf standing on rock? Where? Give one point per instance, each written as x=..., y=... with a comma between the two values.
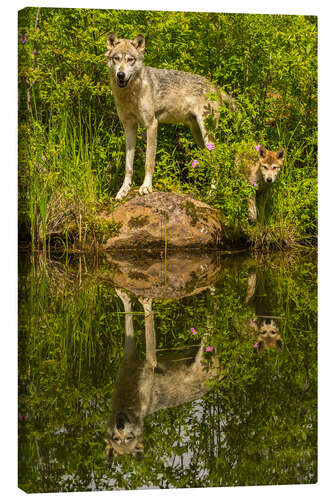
x=147, y=96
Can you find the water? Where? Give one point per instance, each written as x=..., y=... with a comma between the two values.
x=120, y=342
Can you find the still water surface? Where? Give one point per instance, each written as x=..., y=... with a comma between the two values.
x=139, y=372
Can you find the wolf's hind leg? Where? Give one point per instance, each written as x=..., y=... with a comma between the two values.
x=196, y=132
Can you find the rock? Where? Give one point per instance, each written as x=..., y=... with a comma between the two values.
x=183, y=273
x=158, y=219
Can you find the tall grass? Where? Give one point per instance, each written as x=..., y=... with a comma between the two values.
x=68, y=176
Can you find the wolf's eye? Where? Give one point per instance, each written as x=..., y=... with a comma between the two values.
x=116, y=58
x=265, y=167
x=116, y=439
x=131, y=60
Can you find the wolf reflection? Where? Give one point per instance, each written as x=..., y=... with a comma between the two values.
x=145, y=387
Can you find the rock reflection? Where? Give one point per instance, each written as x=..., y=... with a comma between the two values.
x=180, y=275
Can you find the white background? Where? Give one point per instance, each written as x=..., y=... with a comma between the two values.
x=8, y=277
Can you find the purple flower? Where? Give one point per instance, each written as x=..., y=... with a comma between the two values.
x=210, y=146
x=209, y=348
x=195, y=163
x=23, y=39
x=257, y=147
x=255, y=345
x=193, y=330
x=255, y=183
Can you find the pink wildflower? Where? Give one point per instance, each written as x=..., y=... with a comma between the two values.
x=195, y=163
x=23, y=39
x=209, y=348
x=257, y=147
x=255, y=183
x=255, y=345
x=193, y=330
x=210, y=146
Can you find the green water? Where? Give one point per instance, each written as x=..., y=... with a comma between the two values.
x=255, y=425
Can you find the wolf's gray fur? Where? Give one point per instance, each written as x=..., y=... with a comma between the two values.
x=144, y=387
x=147, y=96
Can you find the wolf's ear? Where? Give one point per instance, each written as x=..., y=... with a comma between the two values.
x=262, y=151
x=279, y=345
x=139, y=43
x=111, y=41
x=280, y=154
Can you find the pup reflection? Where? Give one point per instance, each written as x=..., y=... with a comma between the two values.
x=264, y=327
x=268, y=335
x=144, y=387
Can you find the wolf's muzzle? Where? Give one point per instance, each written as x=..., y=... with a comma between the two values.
x=121, y=79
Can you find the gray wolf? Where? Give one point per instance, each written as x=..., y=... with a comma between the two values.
x=148, y=96
x=260, y=171
x=144, y=387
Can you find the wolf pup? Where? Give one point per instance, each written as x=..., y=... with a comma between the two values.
x=147, y=96
x=264, y=327
x=269, y=336
x=261, y=173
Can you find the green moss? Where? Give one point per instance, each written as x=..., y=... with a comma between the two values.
x=103, y=229
x=194, y=212
x=137, y=222
x=136, y=275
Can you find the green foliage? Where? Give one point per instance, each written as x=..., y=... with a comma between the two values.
x=72, y=143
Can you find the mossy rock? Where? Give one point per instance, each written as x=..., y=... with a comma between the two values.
x=164, y=219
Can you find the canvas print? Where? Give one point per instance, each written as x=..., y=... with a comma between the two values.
x=167, y=214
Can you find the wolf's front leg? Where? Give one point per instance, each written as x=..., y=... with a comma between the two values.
x=147, y=305
x=130, y=348
x=130, y=136
x=147, y=186
x=252, y=208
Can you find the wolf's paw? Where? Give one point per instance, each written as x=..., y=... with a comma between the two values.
x=146, y=303
x=122, y=192
x=123, y=295
x=145, y=189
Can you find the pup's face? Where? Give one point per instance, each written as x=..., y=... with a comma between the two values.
x=269, y=336
x=270, y=163
x=124, y=58
x=124, y=437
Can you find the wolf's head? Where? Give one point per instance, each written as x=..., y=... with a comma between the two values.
x=124, y=436
x=269, y=336
x=124, y=58
x=270, y=163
